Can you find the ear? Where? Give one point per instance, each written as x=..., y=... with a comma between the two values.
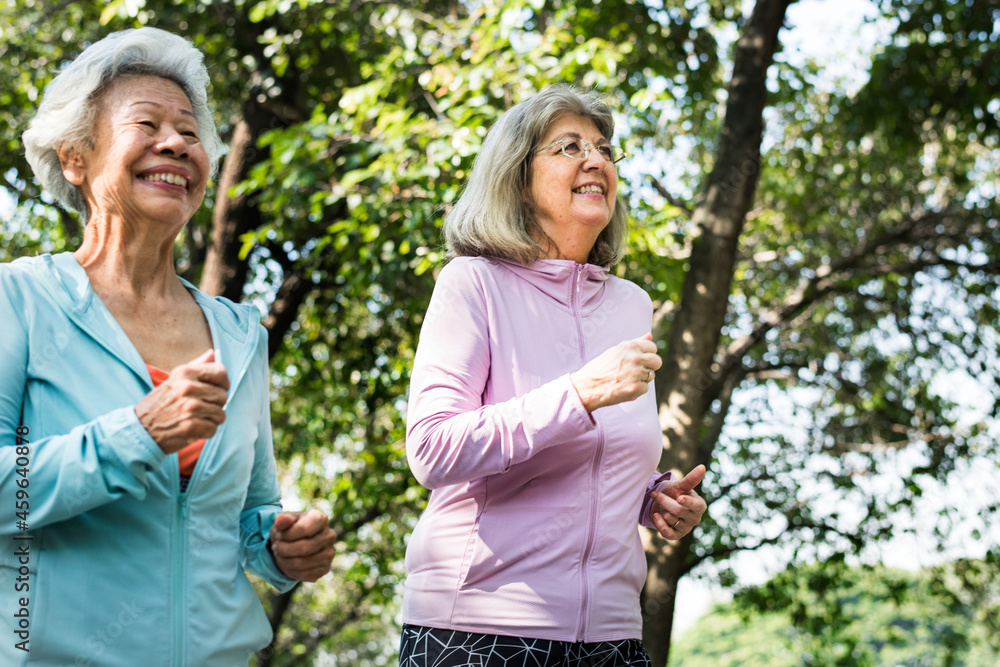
x=74, y=167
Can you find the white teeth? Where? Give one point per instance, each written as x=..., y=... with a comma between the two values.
x=173, y=179
x=587, y=189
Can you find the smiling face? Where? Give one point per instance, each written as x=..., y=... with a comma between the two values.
x=146, y=162
x=573, y=199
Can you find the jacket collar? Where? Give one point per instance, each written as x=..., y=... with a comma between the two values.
x=233, y=326
x=563, y=280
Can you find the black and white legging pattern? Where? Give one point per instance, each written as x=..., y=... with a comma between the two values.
x=430, y=647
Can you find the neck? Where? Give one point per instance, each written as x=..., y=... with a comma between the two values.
x=119, y=258
x=573, y=249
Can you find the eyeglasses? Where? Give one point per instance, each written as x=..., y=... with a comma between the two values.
x=580, y=150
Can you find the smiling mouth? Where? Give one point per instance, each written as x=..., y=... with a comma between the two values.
x=172, y=179
x=589, y=189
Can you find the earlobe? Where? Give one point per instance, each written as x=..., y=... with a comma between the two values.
x=73, y=164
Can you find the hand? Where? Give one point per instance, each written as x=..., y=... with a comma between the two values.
x=302, y=544
x=617, y=375
x=677, y=509
x=187, y=406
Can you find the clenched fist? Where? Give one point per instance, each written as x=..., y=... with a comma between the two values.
x=620, y=374
x=187, y=406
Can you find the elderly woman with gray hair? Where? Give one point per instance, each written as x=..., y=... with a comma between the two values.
x=530, y=412
x=135, y=441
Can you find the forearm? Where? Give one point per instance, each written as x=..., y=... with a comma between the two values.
x=451, y=442
x=67, y=475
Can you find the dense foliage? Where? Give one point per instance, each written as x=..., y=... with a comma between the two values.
x=862, y=227
x=827, y=615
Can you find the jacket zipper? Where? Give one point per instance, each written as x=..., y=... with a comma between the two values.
x=182, y=511
x=178, y=560
x=588, y=549
x=233, y=386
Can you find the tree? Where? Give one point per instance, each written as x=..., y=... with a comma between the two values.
x=857, y=222
x=831, y=614
x=794, y=262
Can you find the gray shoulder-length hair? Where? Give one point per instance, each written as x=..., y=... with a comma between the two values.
x=494, y=216
x=69, y=108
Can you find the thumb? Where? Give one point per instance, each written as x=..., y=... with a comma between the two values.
x=649, y=336
x=284, y=521
x=207, y=357
x=691, y=480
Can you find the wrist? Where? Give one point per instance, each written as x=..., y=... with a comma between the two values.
x=582, y=392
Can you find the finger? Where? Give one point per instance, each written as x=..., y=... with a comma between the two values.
x=196, y=411
x=307, y=569
x=644, y=345
x=310, y=524
x=212, y=374
x=206, y=373
x=301, y=550
x=653, y=361
x=696, y=506
x=206, y=357
x=282, y=522
x=313, y=575
x=691, y=480
x=668, y=504
x=664, y=528
x=196, y=392
x=201, y=429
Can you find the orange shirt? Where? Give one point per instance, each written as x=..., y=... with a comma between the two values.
x=188, y=456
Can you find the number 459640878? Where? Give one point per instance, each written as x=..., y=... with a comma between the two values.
x=22, y=462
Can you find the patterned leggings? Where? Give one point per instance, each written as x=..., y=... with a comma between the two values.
x=430, y=647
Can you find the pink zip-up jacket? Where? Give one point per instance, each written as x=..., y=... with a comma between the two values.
x=532, y=525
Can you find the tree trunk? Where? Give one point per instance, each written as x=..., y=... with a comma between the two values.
x=225, y=272
x=687, y=384
x=280, y=602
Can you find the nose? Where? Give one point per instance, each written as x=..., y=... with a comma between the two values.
x=171, y=142
x=594, y=160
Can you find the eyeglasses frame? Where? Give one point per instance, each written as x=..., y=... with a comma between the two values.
x=586, y=150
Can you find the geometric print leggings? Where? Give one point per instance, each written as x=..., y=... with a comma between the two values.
x=431, y=647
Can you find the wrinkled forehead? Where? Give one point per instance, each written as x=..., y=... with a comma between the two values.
x=128, y=89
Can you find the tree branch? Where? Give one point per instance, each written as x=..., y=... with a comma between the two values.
x=822, y=282
x=671, y=199
x=716, y=555
x=725, y=396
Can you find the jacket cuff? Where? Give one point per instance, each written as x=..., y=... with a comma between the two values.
x=126, y=448
x=270, y=572
x=655, y=484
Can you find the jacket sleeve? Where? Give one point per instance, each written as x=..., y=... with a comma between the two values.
x=647, y=502
x=452, y=437
x=64, y=475
x=263, y=502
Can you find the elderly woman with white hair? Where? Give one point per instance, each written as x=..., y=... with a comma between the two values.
x=136, y=461
x=530, y=412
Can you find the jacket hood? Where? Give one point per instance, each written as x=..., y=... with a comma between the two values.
x=563, y=280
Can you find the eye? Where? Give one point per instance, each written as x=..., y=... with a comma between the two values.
x=571, y=148
x=147, y=123
x=607, y=153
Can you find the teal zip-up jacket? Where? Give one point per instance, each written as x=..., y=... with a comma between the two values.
x=103, y=561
